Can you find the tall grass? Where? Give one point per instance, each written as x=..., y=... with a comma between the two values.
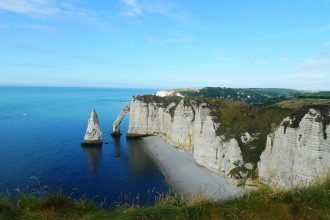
x=312, y=202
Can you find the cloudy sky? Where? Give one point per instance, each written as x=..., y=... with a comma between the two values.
x=165, y=43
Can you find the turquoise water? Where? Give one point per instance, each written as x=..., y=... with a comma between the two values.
x=41, y=131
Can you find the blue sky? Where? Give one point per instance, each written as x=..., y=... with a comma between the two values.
x=166, y=44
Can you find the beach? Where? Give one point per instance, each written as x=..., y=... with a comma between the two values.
x=184, y=175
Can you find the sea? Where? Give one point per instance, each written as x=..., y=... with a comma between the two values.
x=41, y=129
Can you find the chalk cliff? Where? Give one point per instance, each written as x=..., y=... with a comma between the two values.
x=299, y=150
x=93, y=133
x=191, y=127
x=227, y=137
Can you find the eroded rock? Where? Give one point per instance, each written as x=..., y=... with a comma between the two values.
x=93, y=135
x=298, y=152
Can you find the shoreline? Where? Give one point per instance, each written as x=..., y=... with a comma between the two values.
x=184, y=175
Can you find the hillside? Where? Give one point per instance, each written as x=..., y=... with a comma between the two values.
x=312, y=202
x=256, y=96
x=297, y=103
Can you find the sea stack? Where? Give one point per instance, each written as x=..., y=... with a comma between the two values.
x=93, y=135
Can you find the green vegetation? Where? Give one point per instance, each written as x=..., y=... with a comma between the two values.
x=256, y=96
x=161, y=101
x=301, y=203
x=300, y=102
x=238, y=117
x=252, y=96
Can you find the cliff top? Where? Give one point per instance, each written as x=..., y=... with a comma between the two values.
x=299, y=114
x=256, y=96
x=161, y=101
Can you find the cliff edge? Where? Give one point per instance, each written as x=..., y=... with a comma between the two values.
x=298, y=152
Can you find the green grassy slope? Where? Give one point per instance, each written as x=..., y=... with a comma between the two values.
x=305, y=203
x=299, y=102
x=256, y=96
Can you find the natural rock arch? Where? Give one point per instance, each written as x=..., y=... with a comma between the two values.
x=116, y=124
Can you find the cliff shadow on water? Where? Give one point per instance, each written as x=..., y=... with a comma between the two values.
x=140, y=162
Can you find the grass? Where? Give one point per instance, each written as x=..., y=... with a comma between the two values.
x=311, y=202
x=235, y=118
x=163, y=102
x=300, y=102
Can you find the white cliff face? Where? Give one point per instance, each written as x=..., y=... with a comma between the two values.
x=163, y=93
x=296, y=156
x=191, y=128
x=211, y=150
x=93, y=133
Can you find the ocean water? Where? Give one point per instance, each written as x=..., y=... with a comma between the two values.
x=40, y=146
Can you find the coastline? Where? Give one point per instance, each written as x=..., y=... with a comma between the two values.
x=184, y=175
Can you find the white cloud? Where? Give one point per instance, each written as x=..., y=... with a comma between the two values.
x=313, y=72
x=222, y=57
x=262, y=61
x=324, y=28
x=306, y=76
x=307, y=80
x=327, y=44
x=34, y=27
x=29, y=7
x=32, y=48
x=37, y=27
x=317, y=64
x=138, y=8
x=180, y=39
x=132, y=8
x=66, y=9
x=268, y=36
x=154, y=40
x=283, y=59
x=299, y=31
x=175, y=39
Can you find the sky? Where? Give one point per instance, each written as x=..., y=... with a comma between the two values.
x=166, y=43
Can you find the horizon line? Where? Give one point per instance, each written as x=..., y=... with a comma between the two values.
x=140, y=88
